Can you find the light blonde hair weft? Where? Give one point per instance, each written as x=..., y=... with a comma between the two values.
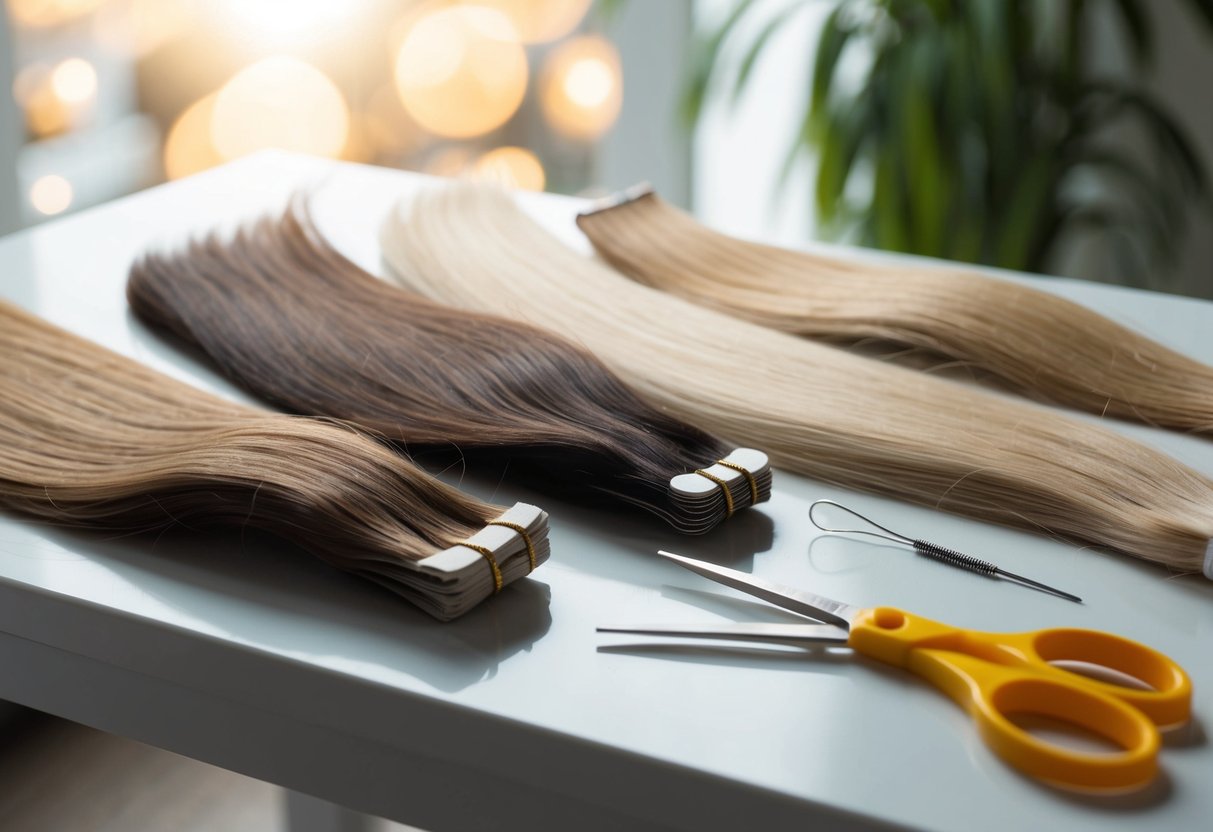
x=1040, y=344
x=817, y=410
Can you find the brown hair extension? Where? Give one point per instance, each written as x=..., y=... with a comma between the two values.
x=285, y=315
x=817, y=410
x=89, y=438
x=1042, y=345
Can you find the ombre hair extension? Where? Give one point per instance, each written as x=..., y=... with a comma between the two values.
x=91, y=439
x=819, y=411
x=280, y=311
x=1039, y=344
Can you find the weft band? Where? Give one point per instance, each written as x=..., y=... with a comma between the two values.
x=724, y=487
x=487, y=554
x=748, y=478
x=526, y=538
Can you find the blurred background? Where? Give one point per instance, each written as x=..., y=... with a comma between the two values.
x=1069, y=137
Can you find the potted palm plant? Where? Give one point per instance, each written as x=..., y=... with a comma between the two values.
x=979, y=129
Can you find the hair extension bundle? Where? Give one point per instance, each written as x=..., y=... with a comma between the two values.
x=1041, y=344
x=818, y=410
x=285, y=315
x=89, y=438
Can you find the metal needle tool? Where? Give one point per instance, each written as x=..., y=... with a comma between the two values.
x=936, y=552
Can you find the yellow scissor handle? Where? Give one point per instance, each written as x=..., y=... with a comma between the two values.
x=995, y=676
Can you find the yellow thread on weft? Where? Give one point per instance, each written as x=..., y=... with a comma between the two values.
x=526, y=538
x=724, y=486
x=488, y=555
x=748, y=478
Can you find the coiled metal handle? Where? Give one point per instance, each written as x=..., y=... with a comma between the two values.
x=953, y=558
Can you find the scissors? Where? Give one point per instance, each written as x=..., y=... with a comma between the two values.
x=995, y=676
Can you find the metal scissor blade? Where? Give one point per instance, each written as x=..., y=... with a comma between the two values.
x=795, y=634
x=816, y=607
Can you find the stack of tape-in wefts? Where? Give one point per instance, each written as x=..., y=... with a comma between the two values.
x=449, y=583
x=706, y=497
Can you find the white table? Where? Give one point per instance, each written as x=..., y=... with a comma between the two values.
x=250, y=655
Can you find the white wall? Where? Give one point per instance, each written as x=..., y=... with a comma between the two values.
x=739, y=150
x=10, y=129
x=648, y=143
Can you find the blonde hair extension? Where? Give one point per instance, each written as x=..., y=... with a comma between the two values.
x=92, y=439
x=817, y=410
x=1040, y=344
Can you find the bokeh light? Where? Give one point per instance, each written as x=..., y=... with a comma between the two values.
x=50, y=194
x=390, y=130
x=282, y=103
x=540, y=21
x=282, y=22
x=510, y=167
x=461, y=71
x=49, y=12
x=583, y=87
x=188, y=149
x=74, y=81
x=46, y=114
x=138, y=27
x=55, y=99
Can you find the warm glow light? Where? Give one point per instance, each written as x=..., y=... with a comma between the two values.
x=51, y=194
x=390, y=130
x=510, y=167
x=283, y=103
x=188, y=148
x=583, y=87
x=46, y=114
x=74, y=81
x=49, y=12
x=589, y=82
x=540, y=21
x=460, y=71
x=289, y=21
x=137, y=27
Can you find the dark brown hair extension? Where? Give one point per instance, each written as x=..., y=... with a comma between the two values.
x=89, y=438
x=285, y=315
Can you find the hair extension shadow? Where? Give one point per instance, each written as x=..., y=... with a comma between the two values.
x=91, y=439
x=1040, y=344
x=281, y=312
x=817, y=410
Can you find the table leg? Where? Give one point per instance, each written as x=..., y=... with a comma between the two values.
x=305, y=813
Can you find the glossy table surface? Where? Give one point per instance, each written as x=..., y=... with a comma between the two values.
x=247, y=653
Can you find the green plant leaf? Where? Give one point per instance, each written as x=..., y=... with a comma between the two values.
x=1018, y=224
x=838, y=147
x=1116, y=100
x=1138, y=29
x=746, y=67
x=608, y=10
x=888, y=227
x=830, y=46
x=1117, y=226
x=703, y=56
x=928, y=182
x=1204, y=10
